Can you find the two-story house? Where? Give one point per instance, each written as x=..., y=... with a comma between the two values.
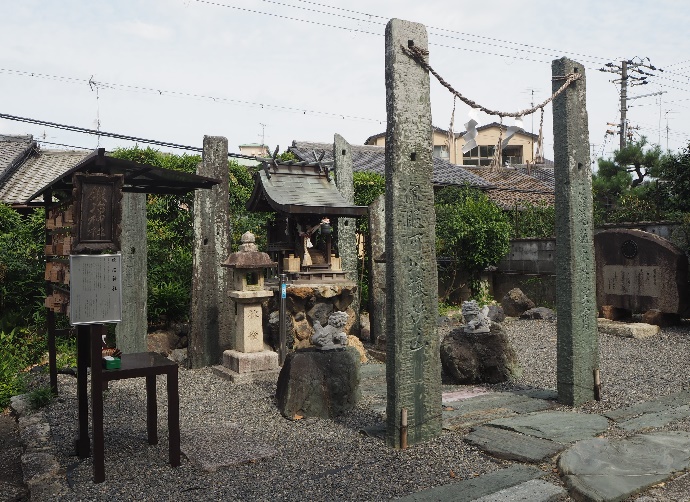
x=520, y=148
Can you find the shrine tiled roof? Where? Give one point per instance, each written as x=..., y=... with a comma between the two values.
x=26, y=174
x=369, y=158
x=295, y=189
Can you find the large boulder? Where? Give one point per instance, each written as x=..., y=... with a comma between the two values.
x=163, y=342
x=471, y=358
x=496, y=313
x=539, y=313
x=515, y=302
x=661, y=319
x=316, y=383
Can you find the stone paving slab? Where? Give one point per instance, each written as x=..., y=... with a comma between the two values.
x=614, y=469
x=507, y=400
x=482, y=409
x=471, y=489
x=213, y=449
x=458, y=421
x=462, y=394
x=547, y=394
x=658, y=419
x=508, y=445
x=656, y=405
x=560, y=426
x=534, y=490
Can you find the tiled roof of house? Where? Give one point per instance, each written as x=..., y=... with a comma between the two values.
x=512, y=188
x=12, y=150
x=370, y=158
x=41, y=168
x=542, y=173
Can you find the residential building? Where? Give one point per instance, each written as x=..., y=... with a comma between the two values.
x=373, y=159
x=520, y=148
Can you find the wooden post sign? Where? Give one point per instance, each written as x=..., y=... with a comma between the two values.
x=95, y=288
x=98, y=212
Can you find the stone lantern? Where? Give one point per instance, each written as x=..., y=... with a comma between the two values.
x=249, y=357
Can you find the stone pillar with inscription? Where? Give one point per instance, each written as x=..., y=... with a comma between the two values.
x=347, y=236
x=413, y=367
x=212, y=322
x=130, y=333
x=377, y=270
x=578, y=343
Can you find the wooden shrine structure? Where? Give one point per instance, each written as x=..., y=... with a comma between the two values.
x=83, y=220
x=302, y=237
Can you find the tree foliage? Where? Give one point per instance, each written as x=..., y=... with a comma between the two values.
x=170, y=233
x=673, y=174
x=368, y=186
x=471, y=231
x=533, y=221
x=22, y=265
x=622, y=188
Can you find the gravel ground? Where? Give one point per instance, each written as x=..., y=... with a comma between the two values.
x=331, y=460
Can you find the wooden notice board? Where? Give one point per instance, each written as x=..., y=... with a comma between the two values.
x=95, y=288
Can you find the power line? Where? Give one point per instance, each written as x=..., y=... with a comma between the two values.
x=431, y=28
x=630, y=74
x=164, y=92
x=94, y=132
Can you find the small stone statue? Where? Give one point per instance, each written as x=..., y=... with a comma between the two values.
x=330, y=336
x=476, y=321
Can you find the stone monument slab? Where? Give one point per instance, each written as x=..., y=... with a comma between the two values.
x=640, y=271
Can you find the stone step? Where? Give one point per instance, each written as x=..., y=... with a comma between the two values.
x=614, y=469
x=560, y=426
x=468, y=490
x=508, y=445
x=656, y=405
x=534, y=490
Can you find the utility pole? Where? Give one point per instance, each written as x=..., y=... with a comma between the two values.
x=631, y=72
x=624, y=105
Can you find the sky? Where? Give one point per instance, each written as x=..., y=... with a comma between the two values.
x=265, y=71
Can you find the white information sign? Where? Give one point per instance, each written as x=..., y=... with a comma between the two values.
x=95, y=289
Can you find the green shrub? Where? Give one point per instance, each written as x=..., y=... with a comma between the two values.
x=40, y=397
x=66, y=352
x=22, y=265
x=471, y=232
x=12, y=362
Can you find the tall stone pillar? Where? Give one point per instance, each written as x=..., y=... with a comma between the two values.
x=130, y=333
x=377, y=268
x=578, y=343
x=347, y=235
x=211, y=329
x=413, y=367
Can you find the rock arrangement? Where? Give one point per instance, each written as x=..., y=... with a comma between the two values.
x=478, y=357
x=306, y=305
x=515, y=302
x=43, y=475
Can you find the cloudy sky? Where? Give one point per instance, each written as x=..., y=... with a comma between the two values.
x=283, y=70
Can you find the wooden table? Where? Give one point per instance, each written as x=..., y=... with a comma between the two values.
x=142, y=364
